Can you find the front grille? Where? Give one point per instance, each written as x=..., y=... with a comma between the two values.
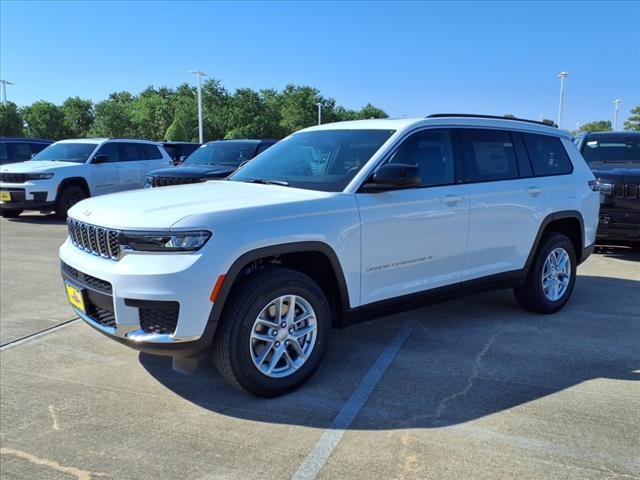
x=87, y=280
x=626, y=190
x=103, y=242
x=159, y=321
x=13, y=177
x=101, y=315
x=168, y=181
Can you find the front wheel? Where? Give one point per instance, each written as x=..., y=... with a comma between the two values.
x=10, y=212
x=273, y=333
x=68, y=198
x=551, y=277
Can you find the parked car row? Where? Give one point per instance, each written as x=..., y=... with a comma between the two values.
x=58, y=175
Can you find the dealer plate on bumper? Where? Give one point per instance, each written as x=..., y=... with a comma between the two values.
x=75, y=296
x=5, y=196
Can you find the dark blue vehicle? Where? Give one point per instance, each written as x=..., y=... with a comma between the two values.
x=18, y=149
x=217, y=159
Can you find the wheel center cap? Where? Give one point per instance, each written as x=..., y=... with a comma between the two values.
x=282, y=334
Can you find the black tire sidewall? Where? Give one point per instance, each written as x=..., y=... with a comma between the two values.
x=550, y=243
x=10, y=213
x=61, y=207
x=246, y=373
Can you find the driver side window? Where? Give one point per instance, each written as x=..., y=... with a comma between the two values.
x=432, y=151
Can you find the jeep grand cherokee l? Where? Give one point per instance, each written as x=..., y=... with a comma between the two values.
x=614, y=158
x=334, y=224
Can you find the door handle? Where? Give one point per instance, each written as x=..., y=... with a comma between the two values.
x=534, y=191
x=451, y=200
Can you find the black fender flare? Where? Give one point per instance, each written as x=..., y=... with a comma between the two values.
x=563, y=214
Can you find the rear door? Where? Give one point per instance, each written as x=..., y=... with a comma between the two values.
x=506, y=203
x=133, y=166
x=105, y=177
x=154, y=159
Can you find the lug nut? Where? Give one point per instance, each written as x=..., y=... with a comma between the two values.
x=283, y=324
x=274, y=332
x=277, y=344
x=287, y=343
x=291, y=330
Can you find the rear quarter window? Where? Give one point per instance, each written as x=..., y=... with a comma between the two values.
x=151, y=152
x=547, y=155
x=488, y=155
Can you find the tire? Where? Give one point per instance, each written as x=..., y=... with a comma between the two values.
x=237, y=352
x=532, y=295
x=10, y=213
x=68, y=198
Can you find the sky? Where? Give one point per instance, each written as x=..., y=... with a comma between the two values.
x=409, y=58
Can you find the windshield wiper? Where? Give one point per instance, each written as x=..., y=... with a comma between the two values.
x=263, y=181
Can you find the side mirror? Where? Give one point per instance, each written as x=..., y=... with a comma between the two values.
x=182, y=158
x=394, y=176
x=102, y=158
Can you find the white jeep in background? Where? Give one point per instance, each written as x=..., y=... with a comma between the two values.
x=334, y=224
x=70, y=170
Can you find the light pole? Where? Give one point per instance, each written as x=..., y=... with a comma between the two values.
x=617, y=103
x=562, y=76
x=320, y=105
x=4, y=90
x=199, y=74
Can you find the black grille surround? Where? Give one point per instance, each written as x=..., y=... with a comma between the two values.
x=159, y=321
x=168, y=181
x=13, y=177
x=626, y=190
x=102, y=242
x=87, y=280
x=101, y=315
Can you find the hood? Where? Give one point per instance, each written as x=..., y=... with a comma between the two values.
x=194, y=171
x=31, y=166
x=161, y=208
x=617, y=171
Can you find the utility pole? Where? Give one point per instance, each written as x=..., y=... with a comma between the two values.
x=562, y=76
x=4, y=90
x=320, y=105
x=199, y=74
x=617, y=103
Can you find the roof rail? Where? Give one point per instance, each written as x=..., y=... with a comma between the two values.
x=497, y=117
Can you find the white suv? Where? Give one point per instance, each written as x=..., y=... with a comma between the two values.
x=332, y=225
x=67, y=171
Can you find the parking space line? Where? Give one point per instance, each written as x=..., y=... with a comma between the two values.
x=33, y=336
x=331, y=437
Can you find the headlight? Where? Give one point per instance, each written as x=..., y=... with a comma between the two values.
x=164, y=241
x=148, y=182
x=605, y=187
x=39, y=176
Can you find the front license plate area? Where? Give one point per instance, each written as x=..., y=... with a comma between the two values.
x=75, y=296
x=5, y=196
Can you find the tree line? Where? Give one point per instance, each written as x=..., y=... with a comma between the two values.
x=172, y=114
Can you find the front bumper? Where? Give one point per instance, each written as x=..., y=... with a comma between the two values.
x=36, y=195
x=617, y=226
x=118, y=292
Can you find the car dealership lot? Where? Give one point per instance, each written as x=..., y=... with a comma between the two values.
x=478, y=389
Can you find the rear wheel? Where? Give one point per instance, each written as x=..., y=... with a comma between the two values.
x=68, y=198
x=273, y=333
x=10, y=212
x=551, y=277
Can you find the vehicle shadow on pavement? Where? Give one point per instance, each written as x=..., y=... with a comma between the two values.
x=38, y=220
x=464, y=360
x=621, y=253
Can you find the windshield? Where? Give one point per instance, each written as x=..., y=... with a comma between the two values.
x=66, y=152
x=221, y=153
x=612, y=148
x=323, y=160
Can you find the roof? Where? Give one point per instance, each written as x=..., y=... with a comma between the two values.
x=98, y=141
x=625, y=133
x=241, y=140
x=25, y=139
x=453, y=120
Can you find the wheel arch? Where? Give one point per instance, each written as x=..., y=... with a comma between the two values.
x=78, y=181
x=567, y=222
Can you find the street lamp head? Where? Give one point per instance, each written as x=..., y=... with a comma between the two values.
x=198, y=73
x=617, y=101
x=563, y=74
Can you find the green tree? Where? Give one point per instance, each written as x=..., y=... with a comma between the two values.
x=11, y=124
x=597, y=126
x=369, y=111
x=633, y=122
x=152, y=114
x=44, y=119
x=78, y=116
x=244, y=119
x=114, y=117
x=185, y=122
x=215, y=106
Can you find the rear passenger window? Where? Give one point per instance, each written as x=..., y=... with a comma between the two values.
x=130, y=152
x=151, y=152
x=19, y=152
x=547, y=154
x=432, y=151
x=111, y=150
x=489, y=155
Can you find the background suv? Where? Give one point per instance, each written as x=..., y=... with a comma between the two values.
x=67, y=171
x=18, y=149
x=179, y=151
x=334, y=224
x=614, y=158
x=217, y=159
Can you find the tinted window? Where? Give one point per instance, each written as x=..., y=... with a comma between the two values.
x=612, y=148
x=547, y=154
x=67, y=152
x=432, y=152
x=222, y=153
x=19, y=152
x=324, y=160
x=488, y=155
x=151, y=152
x=111, y=150
x=263, y=147
x=130, y=152
x=38, y=147
x=4, y=157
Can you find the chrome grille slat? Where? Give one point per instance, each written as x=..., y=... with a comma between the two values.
x=99, y=241
x=626, y=190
